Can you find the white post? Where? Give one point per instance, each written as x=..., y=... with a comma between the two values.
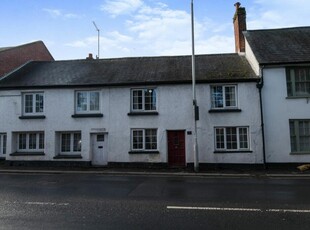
x=98, y=38
x=196, y=161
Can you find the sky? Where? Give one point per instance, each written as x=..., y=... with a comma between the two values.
x=130, y=28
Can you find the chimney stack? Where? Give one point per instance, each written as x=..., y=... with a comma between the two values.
x=239, y=21
x=90, y=56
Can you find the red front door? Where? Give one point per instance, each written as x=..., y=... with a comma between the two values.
x=176, y=148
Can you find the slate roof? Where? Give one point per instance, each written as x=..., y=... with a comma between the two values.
x=130, y=71
x=280, y=46
x=15, y=56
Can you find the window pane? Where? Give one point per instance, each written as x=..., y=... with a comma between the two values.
x=22, y=141
x=137, y=100
x=94, y=101
x=32, y=141
x=219, y=138
x=4, y=144
x=137, y=139
x=150, y=99
x=230, y=96
x=39, y=103
x=217, y=97
x=28, y=103
x=150, y=139
x=298, y=81
x=243, y=138
x=77, y=142
x=304, y=135
x=231, y=138
x=41, y=140
x=65, y=142
x=81, y=101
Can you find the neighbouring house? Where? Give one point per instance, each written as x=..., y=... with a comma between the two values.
x=131, y=110
x=281, y=57
x=16, y=56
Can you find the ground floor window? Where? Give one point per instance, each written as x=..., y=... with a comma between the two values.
x=144, y=139
x=231, y=138
x=70, y=142
x=300, y=136
x=2, y=143
x=30, y=142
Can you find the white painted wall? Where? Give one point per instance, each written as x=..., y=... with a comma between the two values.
x=251, y=58
x=277, y=112
x=175, y=113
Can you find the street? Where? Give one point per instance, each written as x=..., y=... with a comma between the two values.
x=98, y=201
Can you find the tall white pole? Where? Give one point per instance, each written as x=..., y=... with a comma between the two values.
x=195, y=110
x=98, y=38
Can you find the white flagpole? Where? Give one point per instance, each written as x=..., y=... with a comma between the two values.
x=195, y=108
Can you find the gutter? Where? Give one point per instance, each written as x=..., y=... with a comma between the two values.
x=260, y=86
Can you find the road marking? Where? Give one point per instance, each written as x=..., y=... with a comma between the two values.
x=215, y=209
x=47, y=203
x=238, y=209
x=288, y=210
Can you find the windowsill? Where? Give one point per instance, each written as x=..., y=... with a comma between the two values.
x=298, y=97
x=32, y=117
x=72, y=156
x=300, y=153
x=234, y=151
x=143, y=152
x=87, y=115
x=27, y=154
x=142, y=113
x=224, y=110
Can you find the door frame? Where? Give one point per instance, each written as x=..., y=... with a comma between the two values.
x=176, y=130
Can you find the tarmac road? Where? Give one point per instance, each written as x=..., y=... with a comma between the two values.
x=98, y=201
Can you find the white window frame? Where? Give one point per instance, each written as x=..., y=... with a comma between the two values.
x=213, y=106
x=27, y=147
x=34, y=101
x=143, y=100
x=88, y=110
x=144, y=140
x=3, y=143
x=72, y=151
x=238, y=139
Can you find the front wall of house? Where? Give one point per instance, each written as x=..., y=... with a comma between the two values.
x=174, y=107
x=278, y=110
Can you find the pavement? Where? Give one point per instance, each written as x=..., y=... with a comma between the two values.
x=203, y=172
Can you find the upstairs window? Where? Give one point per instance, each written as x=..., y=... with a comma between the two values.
x=2, y=143
x=33, y=103
x=223, y=96
x=30, y=142
x=143, y=100
x=87, y=102
x=232, y=138
x=300, y=136
x=298, y=81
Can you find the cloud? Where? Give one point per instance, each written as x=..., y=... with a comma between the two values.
x=57, y=13
x=119, y=7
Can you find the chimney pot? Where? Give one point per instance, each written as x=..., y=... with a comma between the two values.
x=90, y=56
x=237, y=5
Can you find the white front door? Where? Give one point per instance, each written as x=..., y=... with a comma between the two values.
x=99, y=149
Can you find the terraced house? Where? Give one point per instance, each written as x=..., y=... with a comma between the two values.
x=253, y=106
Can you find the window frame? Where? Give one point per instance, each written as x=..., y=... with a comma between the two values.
x=143, y=109
x=72, y=146
x=34, y=102
x=291, y=81
x=3, y=143
x=295, y=128
x=88, y=98
x=238, y=139
x=39, y=145
x=144, y=130
x=213, y=104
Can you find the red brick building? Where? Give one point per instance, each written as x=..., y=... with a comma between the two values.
x=14, y=57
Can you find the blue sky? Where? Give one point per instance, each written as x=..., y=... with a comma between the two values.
x=138, y=27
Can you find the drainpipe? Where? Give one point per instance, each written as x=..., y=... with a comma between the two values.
x=260, y=86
